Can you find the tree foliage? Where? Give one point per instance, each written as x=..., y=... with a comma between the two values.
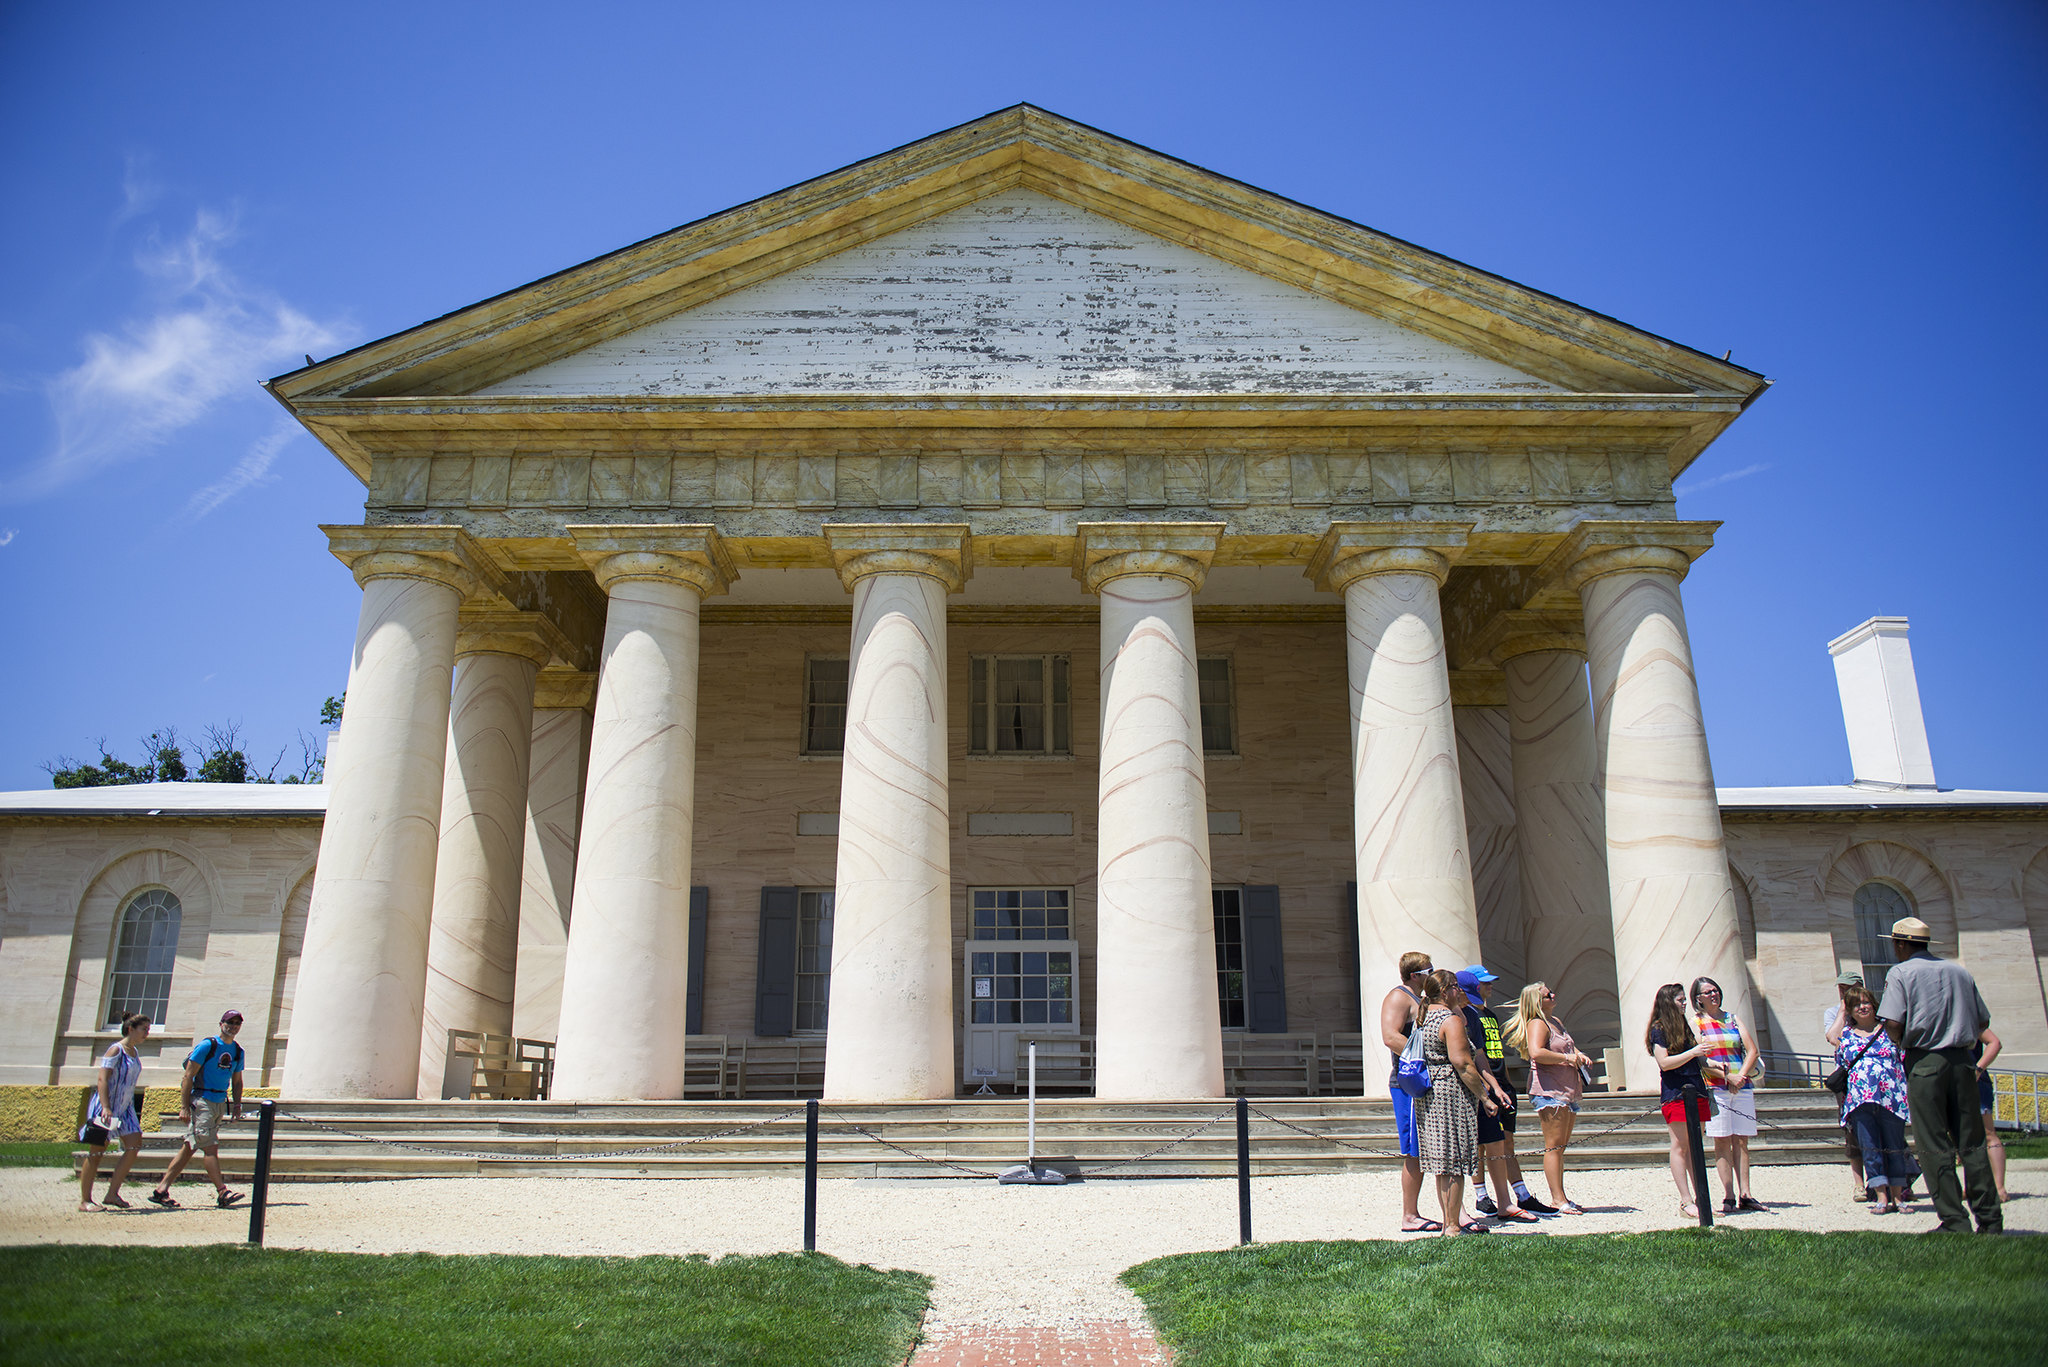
x=222, y=756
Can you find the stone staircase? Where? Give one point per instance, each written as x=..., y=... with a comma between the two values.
x=361, y=1140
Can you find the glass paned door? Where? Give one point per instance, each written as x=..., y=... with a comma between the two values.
x=1020, y=967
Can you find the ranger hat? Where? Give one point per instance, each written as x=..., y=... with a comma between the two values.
x=1910, y=928
x=1848, y=980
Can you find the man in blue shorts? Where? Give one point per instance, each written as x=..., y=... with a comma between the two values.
x=212, y=1070
x=1397, y=1018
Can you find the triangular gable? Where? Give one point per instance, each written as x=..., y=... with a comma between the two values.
x=1020, y=293
x=473, y=350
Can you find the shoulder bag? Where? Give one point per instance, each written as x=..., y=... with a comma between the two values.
x=1411, y=1072
x=1838, y=1081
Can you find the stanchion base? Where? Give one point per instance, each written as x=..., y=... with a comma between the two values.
x=1031, y=1175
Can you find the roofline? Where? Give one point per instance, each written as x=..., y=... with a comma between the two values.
x=1023, y=109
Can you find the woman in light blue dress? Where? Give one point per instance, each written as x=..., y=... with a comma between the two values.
x=111, y=1111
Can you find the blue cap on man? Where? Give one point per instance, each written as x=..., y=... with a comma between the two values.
x=1471, y=976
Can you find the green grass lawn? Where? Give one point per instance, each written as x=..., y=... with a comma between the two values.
x=36, y=1155
x=233, y=1304
x=2016, y=1147
x=1685, y=1296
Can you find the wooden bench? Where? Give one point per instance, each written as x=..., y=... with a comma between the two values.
x=1065, y=1062
x=776, y=1068
x=706, y=1059
x=503, y=1067
x=1271, y=1065
x=1344, y=1064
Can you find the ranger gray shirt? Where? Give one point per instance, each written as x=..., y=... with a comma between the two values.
x=1935, y=1002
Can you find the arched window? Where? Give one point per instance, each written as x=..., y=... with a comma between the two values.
x=1877, y=906
x=144, y=956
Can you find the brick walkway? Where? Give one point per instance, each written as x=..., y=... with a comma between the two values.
x=1103, y=1344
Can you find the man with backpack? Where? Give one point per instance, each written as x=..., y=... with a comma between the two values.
x=213, y=1070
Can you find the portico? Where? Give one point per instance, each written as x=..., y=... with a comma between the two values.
x=1043, y=600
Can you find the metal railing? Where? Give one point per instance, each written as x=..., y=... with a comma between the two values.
x=2020, y=1097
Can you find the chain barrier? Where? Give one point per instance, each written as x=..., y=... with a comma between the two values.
x=852, y=1128
x=1384, y=1153
x=1171, y=1143
x=538, y=1157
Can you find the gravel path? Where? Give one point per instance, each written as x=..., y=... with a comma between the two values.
x=1000, y=1256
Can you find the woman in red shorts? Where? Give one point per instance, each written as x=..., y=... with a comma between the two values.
x=1678, y=1050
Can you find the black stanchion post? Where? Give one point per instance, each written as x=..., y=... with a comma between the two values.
x=1702, y=1196
x=810, y=1177
x=259, y=1186
x=1244, y=1171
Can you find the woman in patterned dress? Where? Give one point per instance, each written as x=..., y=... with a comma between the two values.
x=1446, y=1123
x=110, y=1112
x=1874, y=1108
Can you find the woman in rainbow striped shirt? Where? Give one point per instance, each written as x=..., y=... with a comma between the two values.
x=1731, y=1065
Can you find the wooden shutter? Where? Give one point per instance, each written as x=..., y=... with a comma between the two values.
x=700, y=931
x=1265, y=976
x=775, y=964
x=1351, y=939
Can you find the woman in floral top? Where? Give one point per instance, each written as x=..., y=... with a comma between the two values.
x=1874, y=1108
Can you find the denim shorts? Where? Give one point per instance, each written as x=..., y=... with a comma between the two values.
x=1552, y=1103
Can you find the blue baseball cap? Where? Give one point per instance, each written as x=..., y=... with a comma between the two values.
x=1470, y=977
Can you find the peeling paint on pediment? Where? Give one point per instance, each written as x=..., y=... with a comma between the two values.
x=1021, y=293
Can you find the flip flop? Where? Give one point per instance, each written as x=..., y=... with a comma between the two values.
x=116, y=1202
x=1517, y=1217
x=1750, y=1203
x=1426, y=1227
x=1473, y=1228
x=1571, y=1208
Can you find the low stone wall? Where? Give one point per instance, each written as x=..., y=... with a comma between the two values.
x=53, y=1114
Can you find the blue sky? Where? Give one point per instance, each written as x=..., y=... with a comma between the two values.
x=1850, y=197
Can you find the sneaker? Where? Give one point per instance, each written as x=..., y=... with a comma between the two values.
x=1485, y=1206
x=1536, y=1207
x=225, y=1198
x=162, y=1198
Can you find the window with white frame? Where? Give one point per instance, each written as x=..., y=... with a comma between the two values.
x=1219, y=709
x=1878, y=905
x=813, y=959
x=1020, y=705
x=1227, y=905
x=145, y=953
x=1030, y=980
x=825, y=692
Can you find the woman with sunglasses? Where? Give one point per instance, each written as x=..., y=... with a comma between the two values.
x=1730, y=1066
x=1555, y=1082
x=1678, y=1049
x=111, y=1112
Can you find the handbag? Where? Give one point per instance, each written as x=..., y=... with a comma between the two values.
x=1411, y=1070
x=1838, y=1081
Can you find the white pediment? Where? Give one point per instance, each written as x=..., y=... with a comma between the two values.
x=1020, y=293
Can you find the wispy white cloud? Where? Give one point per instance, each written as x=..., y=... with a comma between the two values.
x=1694, y=486
x=252, y=468
x=7, y=534
x=208, y=339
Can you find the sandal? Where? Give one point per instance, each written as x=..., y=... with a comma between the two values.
x=116, y=1202
x=1889, y=1208
x=1473, y=1228
x=1750, y=1203
x=1727, y=1205
x=1426, y=1227
x=1517, y=1217
x=1688, y=1210
x=162, y=1198
x=1571, y=1208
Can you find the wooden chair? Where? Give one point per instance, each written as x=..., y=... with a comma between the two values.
x=1344, y=1064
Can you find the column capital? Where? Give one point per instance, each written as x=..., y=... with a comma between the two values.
x=506, y=631
x=448, y=556
x=692, y=555
x=1525, y=632
x=1352, y=550
x=1176, y=550
x=938, y=550
x=559, y=687
x=1611, y=547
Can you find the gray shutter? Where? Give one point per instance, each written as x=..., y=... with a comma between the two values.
x=775, y=964
x=1351, y=939
x=700, y=929
x=1265, y=977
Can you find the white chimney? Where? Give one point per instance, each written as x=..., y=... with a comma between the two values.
x=1881, y=705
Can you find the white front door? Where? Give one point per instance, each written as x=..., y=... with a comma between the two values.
x=1020, y=976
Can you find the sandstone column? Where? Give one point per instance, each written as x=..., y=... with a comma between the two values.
x=626, y=975
x=1559, y=826
x=554, y=809
x=473, y=946
x=1408, y=814
x=1158, y=1033
x=891, y=1014
x=1667, y=871
x=362, y=977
